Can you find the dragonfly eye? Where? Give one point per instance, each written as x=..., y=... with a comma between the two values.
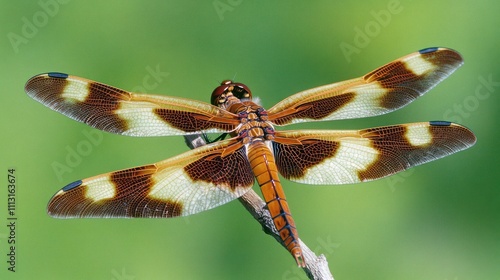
x=219, y=93
x=239, y=90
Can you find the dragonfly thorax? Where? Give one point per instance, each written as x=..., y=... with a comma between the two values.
x=254, y=122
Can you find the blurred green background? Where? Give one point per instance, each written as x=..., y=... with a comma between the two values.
x=437, y=221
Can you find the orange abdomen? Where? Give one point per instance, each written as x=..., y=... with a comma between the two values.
x=264, y=169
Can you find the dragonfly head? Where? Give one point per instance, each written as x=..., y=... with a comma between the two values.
x=227, y=89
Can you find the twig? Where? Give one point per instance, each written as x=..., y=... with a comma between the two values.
x=316, y=267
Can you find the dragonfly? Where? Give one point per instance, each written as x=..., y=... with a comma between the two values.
x=223, y=170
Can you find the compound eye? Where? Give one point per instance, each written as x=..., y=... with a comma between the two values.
x=219, y=93
x=238, y=90
x=241, y=91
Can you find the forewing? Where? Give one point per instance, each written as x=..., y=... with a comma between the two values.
x=195, y=181
x=383, y=90
x=122, y=112
x=345, y=157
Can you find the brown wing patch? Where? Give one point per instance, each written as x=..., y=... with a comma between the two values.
x=293, y=160
x=399, y=149
x=122, y=112
x=410, y=77
x=187, y=184
x=381, y=91
x=99, y=108
x=400, y=83
x=315, y=110
x=122, y=194
x=233, y=170
x=350, y=156
x=85, y=101
x=137, y=183
x=193, y=122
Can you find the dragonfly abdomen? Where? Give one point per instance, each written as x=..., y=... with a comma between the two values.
x=264, y=169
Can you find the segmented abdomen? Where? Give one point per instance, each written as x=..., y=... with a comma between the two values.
x=264, y=169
